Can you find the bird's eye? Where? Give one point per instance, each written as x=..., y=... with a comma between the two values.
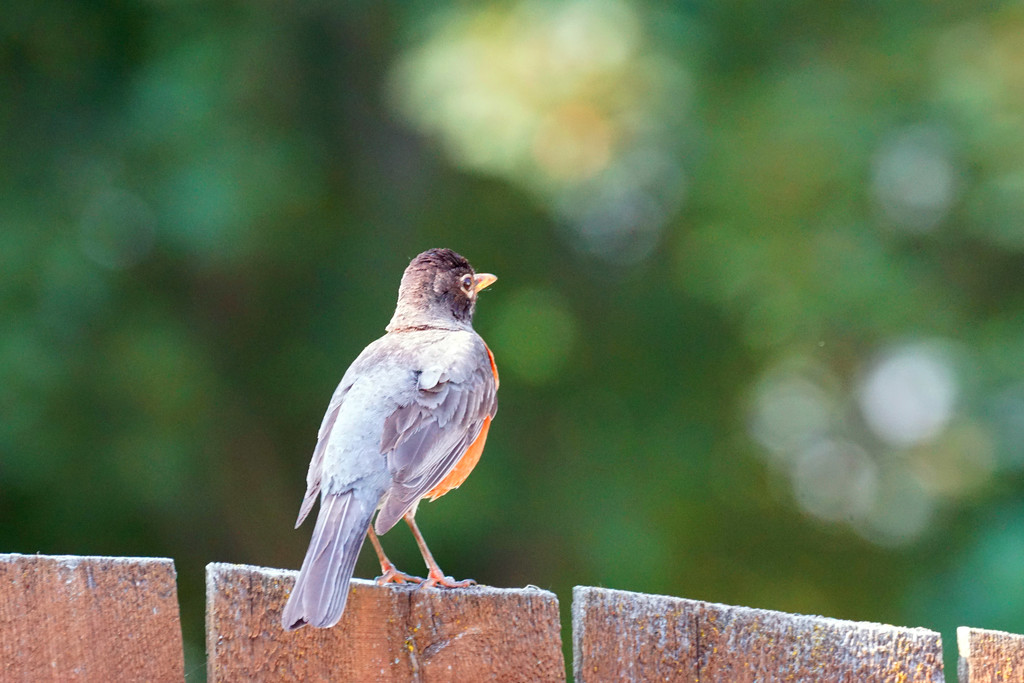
x=467, y=282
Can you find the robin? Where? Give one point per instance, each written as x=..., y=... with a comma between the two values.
x=408, y=421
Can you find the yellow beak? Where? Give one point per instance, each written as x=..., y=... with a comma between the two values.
x=484, y=280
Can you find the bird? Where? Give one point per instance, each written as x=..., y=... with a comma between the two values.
x=408, y=421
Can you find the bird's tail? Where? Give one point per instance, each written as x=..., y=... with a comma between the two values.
x=321, y=590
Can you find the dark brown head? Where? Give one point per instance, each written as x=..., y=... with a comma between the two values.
x=439, y=289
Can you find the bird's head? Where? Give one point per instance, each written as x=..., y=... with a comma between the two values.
x=439, y=289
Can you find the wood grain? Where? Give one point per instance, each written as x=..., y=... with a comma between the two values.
x=623, y=636
x=990, y=656
x=390, y=633
x=69, y=618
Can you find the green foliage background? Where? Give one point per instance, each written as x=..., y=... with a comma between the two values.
x=205, y=211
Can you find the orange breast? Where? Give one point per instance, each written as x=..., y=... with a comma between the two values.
x=471, y=457
x=463, y=467
x=494, y=367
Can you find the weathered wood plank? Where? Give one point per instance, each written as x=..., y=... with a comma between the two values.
x=69, y=618
x=989, y=656
x=623, y=636
x=390, y=633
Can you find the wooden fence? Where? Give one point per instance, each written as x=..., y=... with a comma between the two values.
x=116, y=619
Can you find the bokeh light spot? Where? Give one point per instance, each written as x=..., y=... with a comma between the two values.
x=835, y=480
x=909, y=395
x=570, y=101
x=958, y=464
x=915, y=181
x=535, y=334
x=902, y=511
x=790, y=410
x=574, y=141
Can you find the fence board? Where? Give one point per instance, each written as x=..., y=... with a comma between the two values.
x=69, y=618
x=623, y=636
x=390, y=633
x=989, y=656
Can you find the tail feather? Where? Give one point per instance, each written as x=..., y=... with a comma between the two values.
x=321, y=590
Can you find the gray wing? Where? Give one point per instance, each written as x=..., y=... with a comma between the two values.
x=316, y=465
x=424, y=439
x=314, y=476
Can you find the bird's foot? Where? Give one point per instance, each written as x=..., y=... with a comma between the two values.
x=392, y=575
x=436, y=578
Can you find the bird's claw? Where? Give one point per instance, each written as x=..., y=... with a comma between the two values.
x=439, y=579
x=392, y=575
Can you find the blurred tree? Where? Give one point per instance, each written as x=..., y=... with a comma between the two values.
x=760, y=315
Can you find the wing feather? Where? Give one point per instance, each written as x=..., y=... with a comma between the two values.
x=316, y=463
x=424, y=439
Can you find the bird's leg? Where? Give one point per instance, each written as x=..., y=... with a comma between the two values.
x=389, y=573
x=436, y=577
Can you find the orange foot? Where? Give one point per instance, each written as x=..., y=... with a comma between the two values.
x=392, y=575
x=436, y=578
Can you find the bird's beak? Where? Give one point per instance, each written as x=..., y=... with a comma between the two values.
x=484, y=280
